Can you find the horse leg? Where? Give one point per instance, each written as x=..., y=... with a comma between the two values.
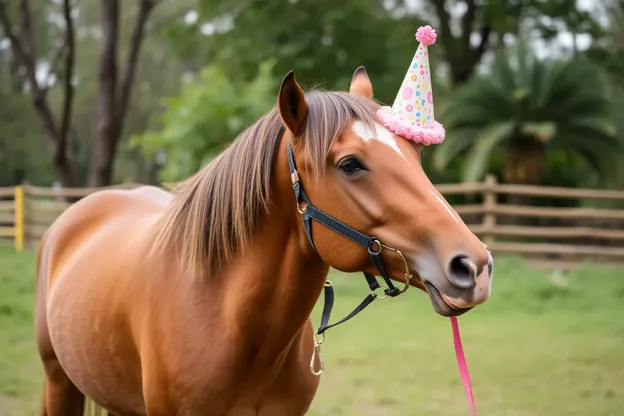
x=61, y=398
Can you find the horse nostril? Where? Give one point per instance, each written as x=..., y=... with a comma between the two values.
x=462, y=272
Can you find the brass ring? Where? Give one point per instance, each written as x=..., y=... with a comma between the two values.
x=378, y=244
x=407, y=274
x=376, y=296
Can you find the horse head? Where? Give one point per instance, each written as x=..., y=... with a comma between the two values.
x=372, y=181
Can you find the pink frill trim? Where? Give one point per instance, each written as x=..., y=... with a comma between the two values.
x=433, y=134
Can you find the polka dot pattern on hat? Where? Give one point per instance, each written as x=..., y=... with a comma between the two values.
x=412, y=115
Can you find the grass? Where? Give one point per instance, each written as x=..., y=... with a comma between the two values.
x=543, y=345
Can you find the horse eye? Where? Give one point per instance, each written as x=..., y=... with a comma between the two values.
x=350, y=165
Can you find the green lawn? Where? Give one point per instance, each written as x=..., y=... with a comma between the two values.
x=542, y=346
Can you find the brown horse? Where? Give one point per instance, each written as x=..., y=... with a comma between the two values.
x=198, y=302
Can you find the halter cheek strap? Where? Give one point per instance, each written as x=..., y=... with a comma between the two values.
x=373, y=245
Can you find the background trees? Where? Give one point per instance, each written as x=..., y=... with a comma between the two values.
x=79, y=79
x=523, y=109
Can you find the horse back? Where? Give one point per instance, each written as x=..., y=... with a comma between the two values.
x=98, y=222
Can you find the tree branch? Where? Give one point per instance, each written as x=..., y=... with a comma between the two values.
x=468, y=22
x=24, y=54
x=107, y=71
x=101, y=149
x=57, y=55
x=26, y=29
x=61, y=150
x=127, y=80
x=486, y=30
x=445, y=20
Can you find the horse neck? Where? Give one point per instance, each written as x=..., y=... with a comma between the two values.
x=278, y=278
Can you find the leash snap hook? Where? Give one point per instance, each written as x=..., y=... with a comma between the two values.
x=317, y=353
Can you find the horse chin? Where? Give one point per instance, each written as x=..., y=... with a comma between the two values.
x=441, y=304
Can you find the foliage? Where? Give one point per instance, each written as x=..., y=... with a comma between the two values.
x=19, y=135
x=527, y=108
x=209, y=112
x=322, y=41
x=609, y=53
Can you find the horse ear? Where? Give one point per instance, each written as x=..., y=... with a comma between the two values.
x=361, y=84
x=292, y=105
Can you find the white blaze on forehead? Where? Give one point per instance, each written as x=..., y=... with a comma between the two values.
x=381, y=134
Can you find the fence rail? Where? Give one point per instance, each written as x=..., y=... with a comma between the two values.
x=552, y=226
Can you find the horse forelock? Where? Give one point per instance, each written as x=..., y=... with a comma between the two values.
x=215, y=211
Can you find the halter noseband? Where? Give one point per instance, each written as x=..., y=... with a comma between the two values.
x=373, y=245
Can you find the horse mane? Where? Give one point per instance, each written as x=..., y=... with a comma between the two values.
x=215, y=211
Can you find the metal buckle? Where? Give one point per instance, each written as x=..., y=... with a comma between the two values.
x=302, y=210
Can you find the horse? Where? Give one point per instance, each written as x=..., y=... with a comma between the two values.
x=197, y=300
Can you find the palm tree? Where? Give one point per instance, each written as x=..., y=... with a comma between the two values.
x=525, y=108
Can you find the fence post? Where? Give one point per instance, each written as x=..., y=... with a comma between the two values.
x=489, y=205
x=18, y=202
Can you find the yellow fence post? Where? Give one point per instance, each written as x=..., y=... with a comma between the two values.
x=19, y=218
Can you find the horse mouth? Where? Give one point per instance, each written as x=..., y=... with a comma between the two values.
x=441, y=304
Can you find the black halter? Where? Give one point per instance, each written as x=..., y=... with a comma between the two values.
x=372, y=244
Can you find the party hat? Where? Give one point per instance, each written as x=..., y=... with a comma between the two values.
x=411, y=115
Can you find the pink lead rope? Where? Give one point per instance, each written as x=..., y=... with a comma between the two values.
x=461, y=364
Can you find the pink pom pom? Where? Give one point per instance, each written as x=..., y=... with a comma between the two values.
x=426, y=35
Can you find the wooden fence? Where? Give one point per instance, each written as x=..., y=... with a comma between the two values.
x=550, y=226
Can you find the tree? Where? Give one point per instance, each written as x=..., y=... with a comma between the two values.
x=114, y=86
x=525, y=108
x=114, y=90
x=469, y=28
x=209, y=112
x=459, y=52
x=323, y=42
x=55, y=129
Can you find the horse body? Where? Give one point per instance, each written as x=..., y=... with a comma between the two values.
x=199, y=303
x=110, y=292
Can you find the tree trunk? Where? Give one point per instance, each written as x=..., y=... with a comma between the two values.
x=114, y=96
x=459, y=52
x=103, y=157
x=525, y=162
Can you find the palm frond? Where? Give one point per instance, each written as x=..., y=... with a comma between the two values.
x=453, y=145
x=600, y=155
x=524, y=97
x=485, y=143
